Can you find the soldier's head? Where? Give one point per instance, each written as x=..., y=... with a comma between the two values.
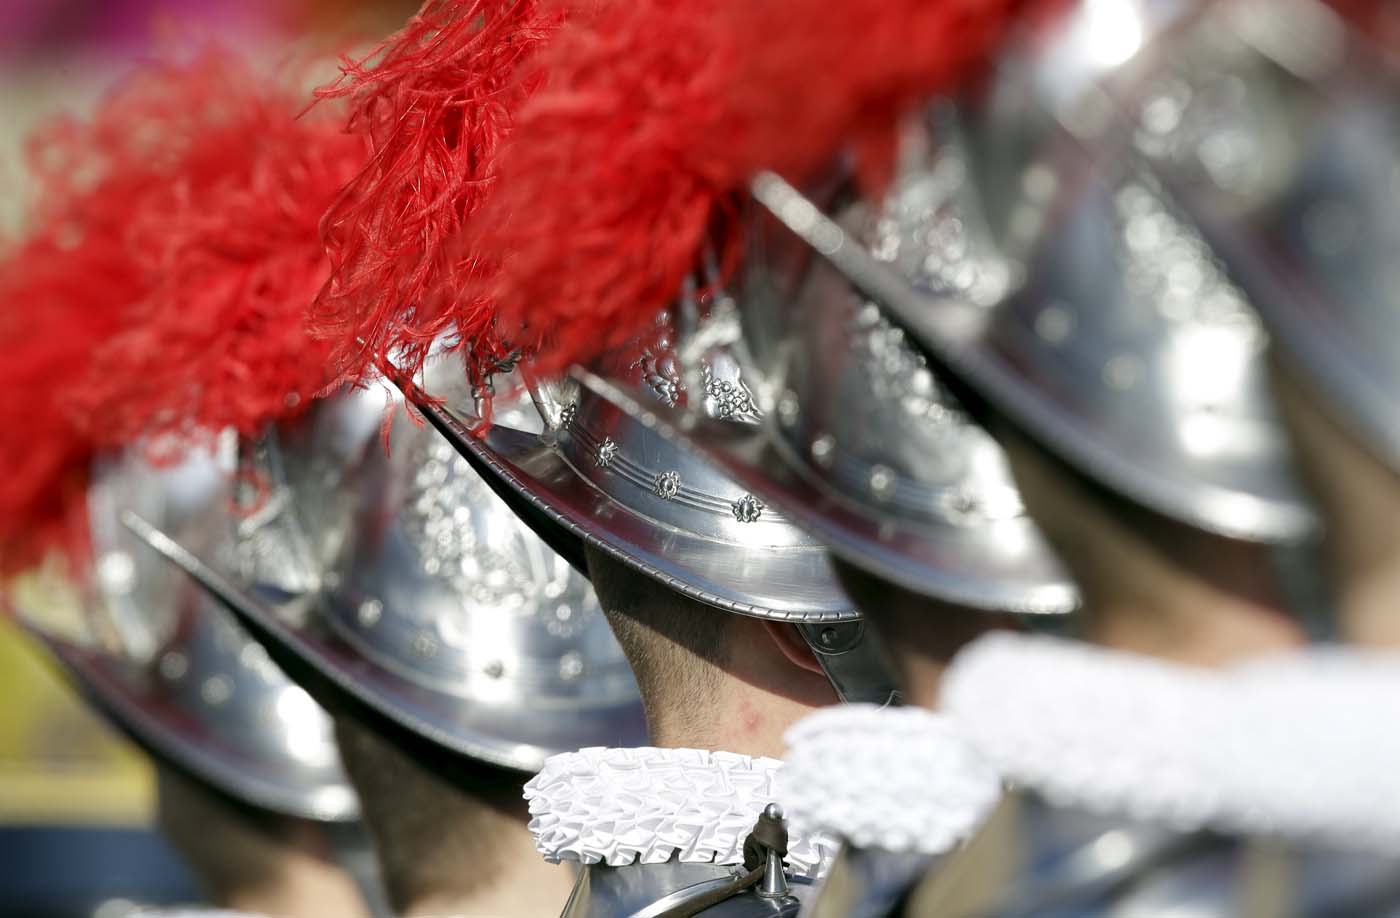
x=465, y=650
x=249, y=789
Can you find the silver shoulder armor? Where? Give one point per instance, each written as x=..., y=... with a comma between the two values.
x=647, y=890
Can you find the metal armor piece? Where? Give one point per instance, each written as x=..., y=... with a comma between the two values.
x=871, y=881
x=1081, y=863
x=606, y=480
x=1118, y=342
x=642, y=889
x=1315, y=246
x=1346, y=883
x=859, y=444
x=595, y=475
x=1065, y=861
x=648, y=890
x=1072, y=862
x=173, y=671
x=439, y=613
x=929, y=500
x=1034, y=256
x=1075, y=860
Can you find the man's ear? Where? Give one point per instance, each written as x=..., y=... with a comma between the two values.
x=793, y=646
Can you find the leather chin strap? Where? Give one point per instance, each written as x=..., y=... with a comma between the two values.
x=854, y=661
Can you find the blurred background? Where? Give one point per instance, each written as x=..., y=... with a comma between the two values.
x=59, y=55
x=76, y=802
x=76, y=799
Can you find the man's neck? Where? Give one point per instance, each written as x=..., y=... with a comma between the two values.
x=1201, y=628
x=305, y=887
x=521, y=883
x=921, y=676
x=1360, y=498
x=1368, y=604
x=743, y=719
x=746, y=705
x=747, y=711
x=1190, y=598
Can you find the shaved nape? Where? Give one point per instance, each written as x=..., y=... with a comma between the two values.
x=434, y=839
x=678, y=647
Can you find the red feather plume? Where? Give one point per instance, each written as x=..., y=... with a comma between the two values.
x=435, y=102
x=1377, y=20
x=222, y=186
x=162, y=289
x=545, y=188
x=56, y=291
x=625, y=167
x=618, y=169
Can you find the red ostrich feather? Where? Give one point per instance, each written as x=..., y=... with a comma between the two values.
x=161, y=291
x=546, y=173
x=56, y=289
x=626, y=165
x=435, y=103
x=222, y=187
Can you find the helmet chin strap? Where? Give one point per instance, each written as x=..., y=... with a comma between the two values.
x=854, y=661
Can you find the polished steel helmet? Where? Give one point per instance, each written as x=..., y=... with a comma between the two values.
x=1308, y=218
x=858, y=443
x=1037, y=258
x=170, y=667
x=593, y=474
x=651, y=504
x=430, y=610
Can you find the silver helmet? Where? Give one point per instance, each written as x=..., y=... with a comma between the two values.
x=594, y=474
x=1040, y=262
x=859, y=443
x=430, y=609
x=1306, y=219
x=661, y=510
x=170, y=668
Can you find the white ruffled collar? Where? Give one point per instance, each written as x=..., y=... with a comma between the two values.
x=1304, y=745
x=903, y=780
x=621, y=806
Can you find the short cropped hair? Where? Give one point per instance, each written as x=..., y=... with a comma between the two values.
x=678, y=647
x=433, y=837
x=231, y=847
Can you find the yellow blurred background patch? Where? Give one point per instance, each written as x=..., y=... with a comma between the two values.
x=59, y=762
